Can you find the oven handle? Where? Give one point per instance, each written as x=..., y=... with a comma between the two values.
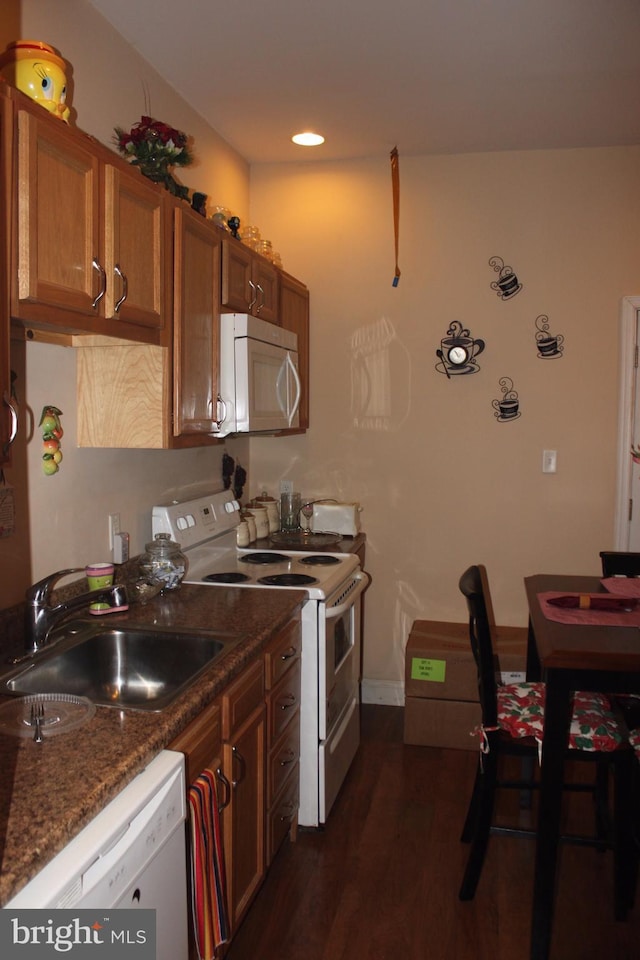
x=332, y=612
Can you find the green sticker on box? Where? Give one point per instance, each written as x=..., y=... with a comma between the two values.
x=423, y=668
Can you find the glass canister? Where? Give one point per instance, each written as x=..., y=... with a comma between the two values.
x=163, y=562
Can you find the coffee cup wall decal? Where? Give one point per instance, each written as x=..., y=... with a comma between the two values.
x=458, y=351
x=508, y=406
x=507, y=284
x=549, y=344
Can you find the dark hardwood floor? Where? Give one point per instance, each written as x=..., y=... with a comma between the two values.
x=380, y=882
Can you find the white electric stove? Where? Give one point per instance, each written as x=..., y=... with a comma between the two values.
x=205, y=528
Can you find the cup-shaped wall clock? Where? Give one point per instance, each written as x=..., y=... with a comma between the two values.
x=458, y=351
x=507, y=284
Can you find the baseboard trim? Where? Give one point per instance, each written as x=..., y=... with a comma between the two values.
x=389, y=692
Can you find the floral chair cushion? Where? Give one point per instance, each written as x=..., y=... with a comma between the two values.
x=634, y=740
x=593, y=724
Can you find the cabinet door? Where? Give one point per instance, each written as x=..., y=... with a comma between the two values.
x=265, y=278
x=249, y=282
x=58, y=226
x=237, y=277
x=134, y=248
x=196, y=324
x=293, y=315
x=244, y=822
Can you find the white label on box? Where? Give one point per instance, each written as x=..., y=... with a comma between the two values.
x=513, y=676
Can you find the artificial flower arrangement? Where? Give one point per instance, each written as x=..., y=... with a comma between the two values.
x=154, y=147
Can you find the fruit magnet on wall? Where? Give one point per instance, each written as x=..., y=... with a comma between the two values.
x=36, y=69
x=507, y=284
x=51, y=435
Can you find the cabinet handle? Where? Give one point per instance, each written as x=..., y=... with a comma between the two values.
x=227, y=790
x=290, y=757
x=95, y=263
x=261, y=304
x=243, y=767
x=220, y=403
x=289, y=653
x=253, y=290
x=8, y=399
x=125, y=287
x=288, y=701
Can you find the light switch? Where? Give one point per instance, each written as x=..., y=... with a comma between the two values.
x=548, y=461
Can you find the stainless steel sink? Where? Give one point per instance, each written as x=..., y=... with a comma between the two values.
x=132, y=668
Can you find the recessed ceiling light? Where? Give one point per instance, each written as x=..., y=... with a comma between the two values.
x=308, y=139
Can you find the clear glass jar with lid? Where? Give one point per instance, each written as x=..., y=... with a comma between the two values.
x=163, y=562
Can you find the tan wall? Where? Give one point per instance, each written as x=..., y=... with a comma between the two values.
x=442, y=482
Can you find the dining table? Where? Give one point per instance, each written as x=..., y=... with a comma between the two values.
x=575, y=650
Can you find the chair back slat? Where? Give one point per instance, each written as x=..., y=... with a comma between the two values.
x=474, y=586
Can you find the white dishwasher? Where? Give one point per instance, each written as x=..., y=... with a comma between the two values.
x=132, y=854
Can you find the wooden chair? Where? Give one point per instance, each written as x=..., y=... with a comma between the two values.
x=618, y=563
x=513, y=724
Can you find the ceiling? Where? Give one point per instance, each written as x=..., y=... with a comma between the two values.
x=427, y=76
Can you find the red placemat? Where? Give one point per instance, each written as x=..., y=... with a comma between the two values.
x=607, y=618
x=622, y=586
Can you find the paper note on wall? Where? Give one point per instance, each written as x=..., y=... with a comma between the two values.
x=425, y=668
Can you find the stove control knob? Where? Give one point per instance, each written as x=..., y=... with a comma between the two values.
x=181, y=523
x=231, y=506
x=191, y=520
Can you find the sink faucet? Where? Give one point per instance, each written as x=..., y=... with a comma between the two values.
x=41, y=617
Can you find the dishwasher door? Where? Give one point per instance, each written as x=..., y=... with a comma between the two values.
x=132, y=854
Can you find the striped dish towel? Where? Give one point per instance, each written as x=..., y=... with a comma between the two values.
x=208, y=885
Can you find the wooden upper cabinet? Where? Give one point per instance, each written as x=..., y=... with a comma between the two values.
x=135, y=249
x=293, y=314
x=58, y=222
x=146, y=395
x=196, y=324
x=249, y=281
x=90, y=242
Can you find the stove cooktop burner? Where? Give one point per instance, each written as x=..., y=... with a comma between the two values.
x=232, y=577
x=287, y=580
x=321, y=560
x=265, y=557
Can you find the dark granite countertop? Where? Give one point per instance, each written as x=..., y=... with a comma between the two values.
x=50, y=791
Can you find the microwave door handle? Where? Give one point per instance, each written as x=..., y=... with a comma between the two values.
x=280, y=379
x=296, y=377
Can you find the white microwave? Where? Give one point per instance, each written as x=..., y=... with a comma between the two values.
x=259, y=380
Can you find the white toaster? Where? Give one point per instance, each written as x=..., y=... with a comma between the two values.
x=331, y=517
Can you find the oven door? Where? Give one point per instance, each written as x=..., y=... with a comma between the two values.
x=339, y=652
x=339, y=688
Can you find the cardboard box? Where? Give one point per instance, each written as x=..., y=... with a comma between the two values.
x=441, y=686
x=441, y=723
x=439, y=662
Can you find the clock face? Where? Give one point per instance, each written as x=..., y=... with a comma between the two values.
x=458, y=356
